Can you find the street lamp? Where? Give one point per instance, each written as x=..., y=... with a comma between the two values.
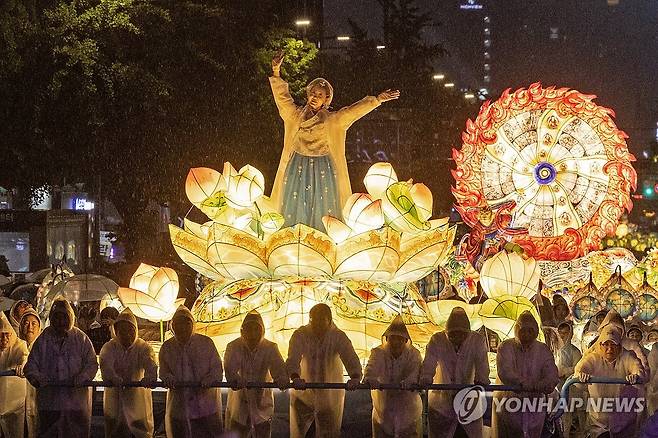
x=380, y=47
x=469, y=96
x=303, y=22
x=439, y=77
x=343, y=38
x=449, y=85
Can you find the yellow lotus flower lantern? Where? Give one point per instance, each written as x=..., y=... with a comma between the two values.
x=152, y=293
x=510, y=274
x=243, y=187
x=204, y=188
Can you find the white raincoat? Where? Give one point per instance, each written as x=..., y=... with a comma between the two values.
x=612, y=317
x=189, y=409
x=30, y=391
x=63, y=411
x=516, y=365
x=334, y=127
x=652, y=387
x=251, y=410
x=12, y=388
x=319, y=360
x=443, y=364
x=128, y=410
x=395, y=413
x=567, y=358
x=619, y=424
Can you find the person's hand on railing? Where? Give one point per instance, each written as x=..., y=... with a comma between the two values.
x=18, y=369
x=632, y=379
x=425, y=381
x=282, y=384
x=353, y=383
x=148, y=382
x=373, y=383
x=299, y=383
x=238, y=384
x=168, y=382
x=583, y=377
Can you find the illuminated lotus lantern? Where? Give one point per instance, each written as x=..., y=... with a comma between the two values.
x=510, y=274
x=387, y=234
x=152, y=293
x=647, y=303
x=585, y=303
x=363, y=266
x=619, y=295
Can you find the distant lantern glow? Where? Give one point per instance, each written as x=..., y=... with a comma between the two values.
x=449, y=85
x=303, y=22
x=469, y=96
x=343, y=38
x=438, y=77
x=380, y=47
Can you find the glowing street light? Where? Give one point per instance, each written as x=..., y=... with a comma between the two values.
x=449, y=85
x=303, y=22
x=380, y=47
x=469, y=96
x=438, y=77
x=343, y=38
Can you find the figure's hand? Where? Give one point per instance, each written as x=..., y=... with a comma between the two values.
x=168, y=382
x=424, y=381
x=18, y=369
x=632, y=379
x=299, y=383
x=387, y=95
x=353, y=383
x=583, y=377
x=276, y=63
x=148, y=382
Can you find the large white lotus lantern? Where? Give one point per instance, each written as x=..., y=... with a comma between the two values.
x=378, y=178
x=510, y=274
x=205, y=188
x=152, y=293
x=243, y=187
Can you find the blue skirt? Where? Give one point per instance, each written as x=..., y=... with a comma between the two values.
x=310, y=191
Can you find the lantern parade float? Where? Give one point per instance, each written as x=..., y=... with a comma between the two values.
x=542, y=176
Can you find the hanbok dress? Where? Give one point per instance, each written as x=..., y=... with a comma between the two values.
x=312, y=179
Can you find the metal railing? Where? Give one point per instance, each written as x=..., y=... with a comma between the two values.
x=564, y=392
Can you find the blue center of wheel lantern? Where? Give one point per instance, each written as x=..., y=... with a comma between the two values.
x=544, y=173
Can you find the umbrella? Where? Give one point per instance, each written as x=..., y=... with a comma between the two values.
x=84, y=287
x=38, y=276
x=4, y=280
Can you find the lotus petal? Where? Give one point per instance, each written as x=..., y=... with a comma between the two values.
x=400, y=210
x=369, y=256
x=301, y=251
x=354, y=206
x=378, y=178
x=500, y=314
x=243, y=188
x=199, y=230
x=510, y=274
x=204, y=188
x=193, y=250
x=152, y=293
x=420, y=254
x=145, y=306
x=422, y=197
x=336, y=229
x=235, y=253
x=440, y=311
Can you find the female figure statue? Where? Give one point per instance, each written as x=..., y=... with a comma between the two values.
x=312, y=179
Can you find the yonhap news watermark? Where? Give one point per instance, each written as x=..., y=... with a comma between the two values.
x=470, y=404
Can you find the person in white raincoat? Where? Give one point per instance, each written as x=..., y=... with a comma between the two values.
x=456, y=355
x=252, y=358
x=524, y=362
x=16, y=312
x=13, y=355
x=613, y=318
x=312, y=173
x=190, y=357
x=62, y=354
x=610, y=359
x=652, y=387
x=30, y=328
x=127, y=358
x=317, y=353
x=567, y=358
x=395, y=413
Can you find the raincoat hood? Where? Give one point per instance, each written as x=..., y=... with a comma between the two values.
x=5, y=327
x=324, y=84
x=31, y=312
x=64, y=307
x=253, y=317
x=183, y=312
x=637, y=327
x=14, y=306
x=127, y=316
x=615, y=319
x=397, y=328
x=526, y=320
x=610, y=333
x=458, y=321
